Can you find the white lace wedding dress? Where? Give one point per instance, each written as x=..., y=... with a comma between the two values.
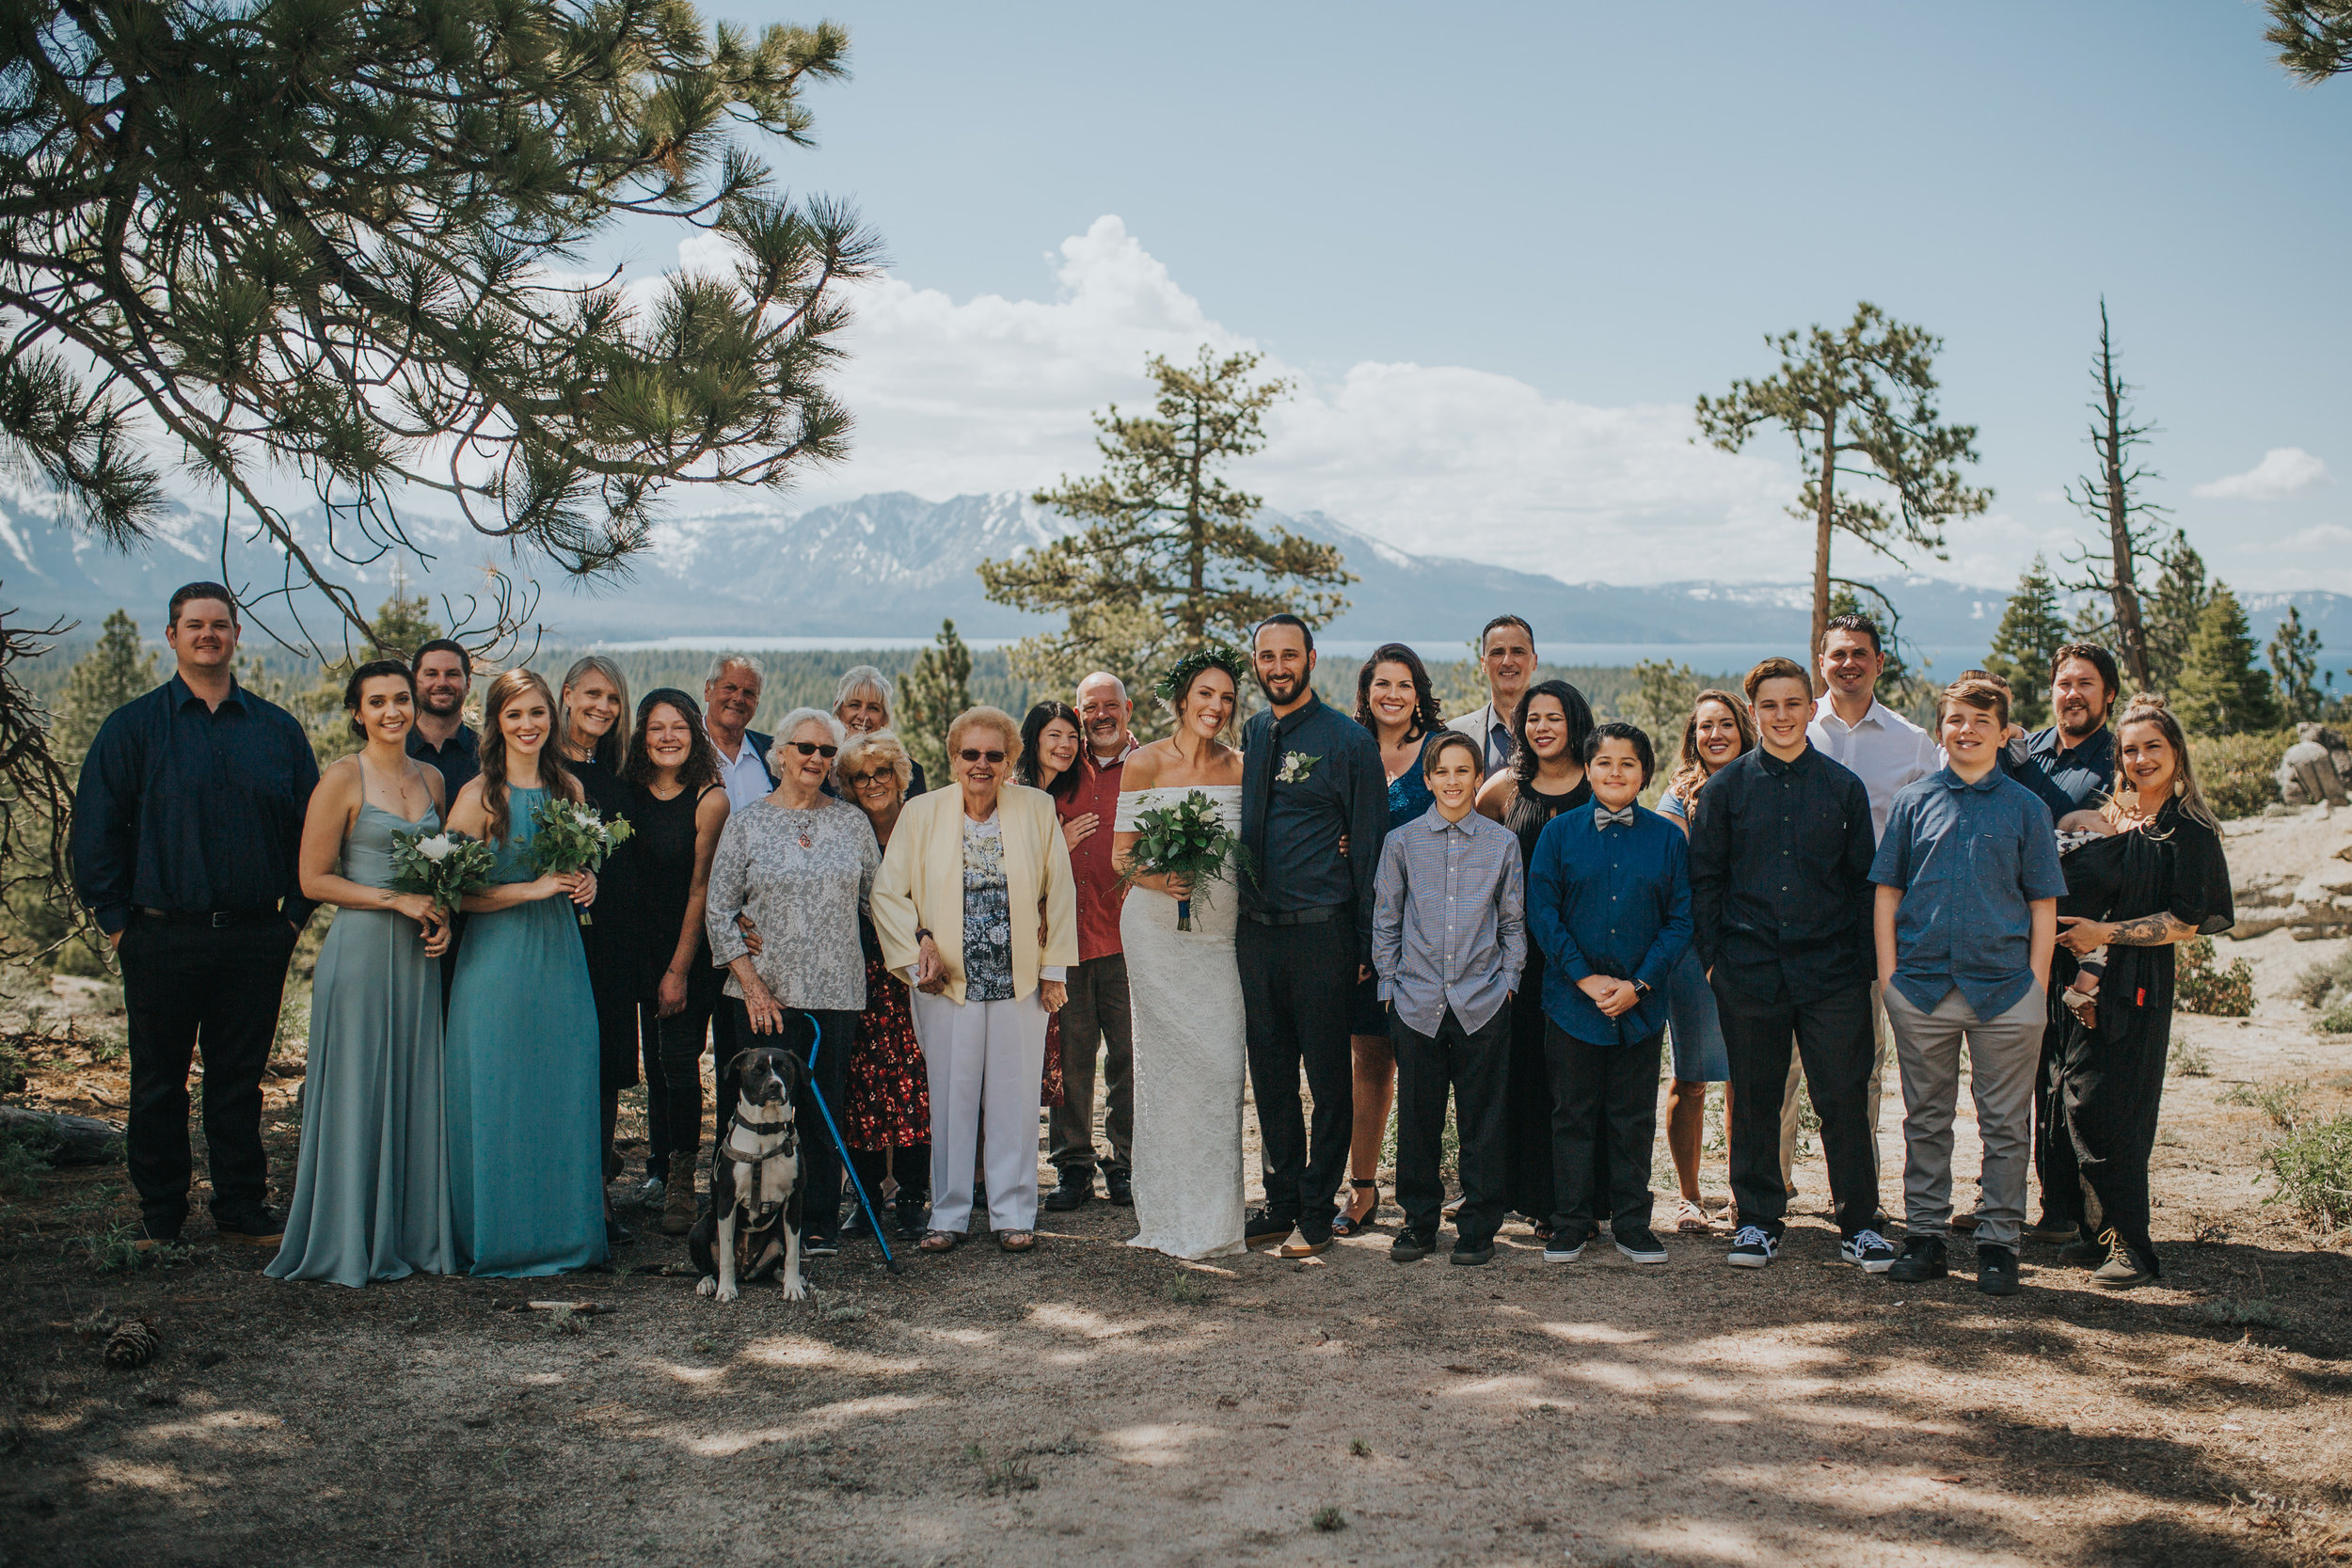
x=1190, y=1059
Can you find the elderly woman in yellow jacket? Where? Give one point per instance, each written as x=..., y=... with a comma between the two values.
x=975, y=907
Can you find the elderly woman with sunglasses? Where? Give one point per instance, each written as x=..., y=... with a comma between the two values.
x=968, y=872
x=799, y=866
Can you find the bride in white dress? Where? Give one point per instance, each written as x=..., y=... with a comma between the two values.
x=1190, y=1057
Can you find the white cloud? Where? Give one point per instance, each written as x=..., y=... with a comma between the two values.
x=993, y=393
x=2284, y=471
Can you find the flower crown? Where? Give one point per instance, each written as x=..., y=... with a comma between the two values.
x=1214, y=655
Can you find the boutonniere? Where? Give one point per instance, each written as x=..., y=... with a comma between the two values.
x=1295, y=767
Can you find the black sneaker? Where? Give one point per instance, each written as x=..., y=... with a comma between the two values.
x=1867, y=1251
x=1643, y=1246
x=2083, y=1254
x=1752, y=1248
x=1997, y=1270
x=821, y=1247
x=1925, y=1258
x=1263, y=1230
x=1411, y=1246
x=1075, y=1189
x=1119, y=1188
x=158, y=1232
x=1472, y=1254
x=255, y=1227
x=1561, y=1247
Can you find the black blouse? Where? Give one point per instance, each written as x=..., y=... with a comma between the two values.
x=2174, y=865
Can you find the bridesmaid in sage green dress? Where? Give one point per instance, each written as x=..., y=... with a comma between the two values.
x=371, y=1197
x=526, y=1157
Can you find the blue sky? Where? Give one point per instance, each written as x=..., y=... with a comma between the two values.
x=1502, y=247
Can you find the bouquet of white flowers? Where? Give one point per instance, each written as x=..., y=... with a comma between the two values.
x=1186, y=839
x=444, y=866
x=569, y=836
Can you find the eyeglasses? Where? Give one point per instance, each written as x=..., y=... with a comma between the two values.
x=859, y=781
x=972, y=754
x=810, y=747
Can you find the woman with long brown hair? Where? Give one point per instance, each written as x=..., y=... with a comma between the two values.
x=525, y=1160
x=1718, y=729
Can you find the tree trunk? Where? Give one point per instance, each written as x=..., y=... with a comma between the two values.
x=2125, y=592
x=77, y=1140
x=1821, y=545
x=1197, y=548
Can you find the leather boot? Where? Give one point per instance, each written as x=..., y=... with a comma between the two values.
x=678, y=1203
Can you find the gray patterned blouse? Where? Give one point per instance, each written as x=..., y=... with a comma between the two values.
x=803, y=879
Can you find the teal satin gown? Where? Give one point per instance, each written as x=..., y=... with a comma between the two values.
x=371, y=1198
x=526, y=1162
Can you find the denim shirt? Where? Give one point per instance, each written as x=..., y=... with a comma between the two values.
x=1970, y=858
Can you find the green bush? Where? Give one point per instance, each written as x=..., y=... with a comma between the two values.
x=2237, y=772
x=2313, y=1169
x=2203, y=985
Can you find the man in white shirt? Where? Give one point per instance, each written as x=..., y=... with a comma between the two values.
x=1507, y=657
x=730, y=697
x=1887, y=751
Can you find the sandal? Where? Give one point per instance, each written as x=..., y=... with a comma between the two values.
x=1016, y=1240
x=1690, y=1220
x=939, y=1241
x=1344, y=1225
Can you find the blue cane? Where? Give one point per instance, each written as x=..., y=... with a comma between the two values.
x=848, y=1164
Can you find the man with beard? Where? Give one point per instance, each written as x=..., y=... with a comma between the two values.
x=1098, y=1013
x=2071, y=766
x=1311, y=778
x=440, y=735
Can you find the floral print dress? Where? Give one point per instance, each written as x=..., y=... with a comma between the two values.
x=988, y=939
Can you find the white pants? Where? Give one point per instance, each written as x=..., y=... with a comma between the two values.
x=985, y=1062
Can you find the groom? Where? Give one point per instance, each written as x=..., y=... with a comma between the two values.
x=1311, y=777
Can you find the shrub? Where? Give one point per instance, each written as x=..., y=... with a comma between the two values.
x=2337, y=1020
x=2285, y=1104
x=2313, y=1169
x=2203, y=985
x=2237, y=772
x=2327, y=984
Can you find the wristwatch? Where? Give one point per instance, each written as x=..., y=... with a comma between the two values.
x=920, y=932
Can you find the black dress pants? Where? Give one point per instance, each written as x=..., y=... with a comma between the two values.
x=216, y=989
x=1474, y=1064
x=1832, y=1036
x=2112, y=1091
x=673, y=1083
x=1604, y=1096
x=2053, y=1148
x=1297, y=983
x=820, y=1161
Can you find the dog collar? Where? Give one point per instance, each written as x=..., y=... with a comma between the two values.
x=763, y=1126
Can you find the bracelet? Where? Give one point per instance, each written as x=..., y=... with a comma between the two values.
x=921, y=932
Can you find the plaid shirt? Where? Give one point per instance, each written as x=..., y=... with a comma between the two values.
x=1449, y=923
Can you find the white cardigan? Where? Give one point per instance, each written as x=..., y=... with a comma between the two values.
x=921, y=884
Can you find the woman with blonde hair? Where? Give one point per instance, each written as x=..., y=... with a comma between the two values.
x=864, y=701
x=1718, y=729
x=2156, y=879
x=595, y=699
x=887, y=1118
x=525, y=1167
x=967, y=873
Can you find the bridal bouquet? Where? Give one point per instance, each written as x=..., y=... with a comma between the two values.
x=444, y=866
x=1184, y=840
x=570, y=836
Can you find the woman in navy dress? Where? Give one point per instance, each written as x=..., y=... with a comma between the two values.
x=1394, y=701
x=526, y=1156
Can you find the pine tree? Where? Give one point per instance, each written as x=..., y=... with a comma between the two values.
x=2032, y=630
x=110, y=674
x=1860, y=404
x=402, y=622
x=342, y=238
x=2115, y=497
x=2295, y=653
x=2313, y=38
x=2221, y=692
x=936, y=688
x=2174, y=609
x=1167, y=559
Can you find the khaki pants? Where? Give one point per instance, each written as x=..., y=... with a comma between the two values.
x=2004, y=1056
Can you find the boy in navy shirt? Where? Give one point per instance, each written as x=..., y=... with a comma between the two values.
x=1965, y=920
x=1609, y=901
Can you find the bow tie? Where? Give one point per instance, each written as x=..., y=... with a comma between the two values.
x=1602, y=816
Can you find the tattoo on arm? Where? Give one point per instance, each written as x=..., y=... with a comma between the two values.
x=2150, y=930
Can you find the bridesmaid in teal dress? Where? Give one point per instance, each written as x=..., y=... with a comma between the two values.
x=526, y=1162
x=371, y=1197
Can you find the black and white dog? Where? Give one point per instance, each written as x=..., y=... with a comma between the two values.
x=753, y=1226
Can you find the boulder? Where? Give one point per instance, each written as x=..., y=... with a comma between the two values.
x=2315, y=769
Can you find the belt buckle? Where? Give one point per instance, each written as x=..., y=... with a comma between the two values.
x=218, y=920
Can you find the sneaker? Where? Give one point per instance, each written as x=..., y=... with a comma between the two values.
x=2122, y=1270
x=1560, y=1249
x=1472, y=1254
x=1263, y=1230
x=1868, y=1251
x=255, y=1227
x=1752, y=1248
x=1923, y=1258
x=652, y=1191
x=1075, y=1189
x=1997, y=1270
x=2081, y=1254
x=1411, y=1246
x=2051, y=1230
x=1643, y=1246
x=1305, y=1246
x=1967, y=1221
x=821, y=1247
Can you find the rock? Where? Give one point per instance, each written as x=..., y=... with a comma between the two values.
x=2315, y=769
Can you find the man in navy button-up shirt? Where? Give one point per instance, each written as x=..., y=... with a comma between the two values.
x=1609, y=901
x=187, y=829
x=1966, y=917
x=2071, y=766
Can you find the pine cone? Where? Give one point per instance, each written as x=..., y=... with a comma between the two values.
x=131, y=1345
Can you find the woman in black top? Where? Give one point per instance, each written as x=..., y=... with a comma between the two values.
x=1547, y=778
x=2160, y=878
x=595, y=699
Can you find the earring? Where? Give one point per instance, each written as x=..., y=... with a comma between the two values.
x=2180, y=786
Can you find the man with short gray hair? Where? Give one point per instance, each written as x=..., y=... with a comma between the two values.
x=730, y=698
x=1098, y=1014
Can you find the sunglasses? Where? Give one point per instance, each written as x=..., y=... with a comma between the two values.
x=859, y=781
x=972, y=754
x=810, y=747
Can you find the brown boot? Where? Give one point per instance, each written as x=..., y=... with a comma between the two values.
x=678, y=1203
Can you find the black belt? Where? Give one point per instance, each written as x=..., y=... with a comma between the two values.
x=214, y=918
x=1322, y=914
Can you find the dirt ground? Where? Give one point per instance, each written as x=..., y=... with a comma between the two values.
x=1090, y=1403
